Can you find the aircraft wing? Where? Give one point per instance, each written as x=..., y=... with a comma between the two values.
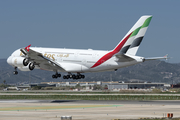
x=40, y=60
x=156, y=58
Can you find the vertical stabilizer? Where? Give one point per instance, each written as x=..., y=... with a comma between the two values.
x=131, y=35
x=137, y=36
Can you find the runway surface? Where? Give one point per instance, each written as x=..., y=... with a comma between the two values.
x=88, y=94
x=155, y=102
x=85, y=110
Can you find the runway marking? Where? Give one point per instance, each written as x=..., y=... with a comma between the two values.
x=26, y=108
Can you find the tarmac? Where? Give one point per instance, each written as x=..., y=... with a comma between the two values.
x=86, y=110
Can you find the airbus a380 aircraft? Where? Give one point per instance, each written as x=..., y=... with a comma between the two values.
x=76, y=61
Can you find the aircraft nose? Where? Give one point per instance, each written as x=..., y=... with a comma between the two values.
x=9, y=60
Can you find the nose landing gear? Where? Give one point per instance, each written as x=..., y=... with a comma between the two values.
x=15, y=72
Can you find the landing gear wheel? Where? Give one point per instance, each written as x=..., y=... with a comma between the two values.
x=68, y=76
x=79, y=76
x=64, y=77
x=82, y=76
x=15, y=72
x=73, y=76
x=56, y=75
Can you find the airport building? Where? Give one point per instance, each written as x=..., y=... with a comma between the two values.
x=136, y=85
x=111, y=85
x=90, y=85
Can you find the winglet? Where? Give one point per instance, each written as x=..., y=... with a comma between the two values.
x=27, y=48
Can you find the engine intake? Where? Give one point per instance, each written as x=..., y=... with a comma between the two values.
x=25, y=62
x=31, y=66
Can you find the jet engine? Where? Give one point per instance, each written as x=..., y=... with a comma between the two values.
x=19, y=61
x=24, y=68
x=31, y=66
x=23, y=63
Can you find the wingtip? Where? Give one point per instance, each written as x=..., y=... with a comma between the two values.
x=27, y=48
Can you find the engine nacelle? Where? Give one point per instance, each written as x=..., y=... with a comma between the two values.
x=31, y=66
x=24, y=68
x=23, y=63
x=18, y=61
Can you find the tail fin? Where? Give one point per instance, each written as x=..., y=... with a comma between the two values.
x=138, y=35
x=129, y=42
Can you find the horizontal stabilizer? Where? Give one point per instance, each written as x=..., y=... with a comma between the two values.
x=156, y=58
x=123, y=58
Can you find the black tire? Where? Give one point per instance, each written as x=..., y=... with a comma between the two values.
x=64, y=77
x=83, y=76
x=68, y=76
x=53, y=76
x=79, y=76
x=15, y=72
x=59, y=75
x=74, y=76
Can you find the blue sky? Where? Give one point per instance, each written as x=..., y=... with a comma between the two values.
x=82, y=24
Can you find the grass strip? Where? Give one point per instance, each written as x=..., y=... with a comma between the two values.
x=91, y=97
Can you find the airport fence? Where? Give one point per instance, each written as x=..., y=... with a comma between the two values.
x=92, y=97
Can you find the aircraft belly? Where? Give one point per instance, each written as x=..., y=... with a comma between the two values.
x=71, y=67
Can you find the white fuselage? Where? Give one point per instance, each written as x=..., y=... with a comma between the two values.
x=75, y=60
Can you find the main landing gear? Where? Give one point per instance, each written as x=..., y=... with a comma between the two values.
x=56, y=75
x=15, y=72
x=69, y=76
x=78, y=76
